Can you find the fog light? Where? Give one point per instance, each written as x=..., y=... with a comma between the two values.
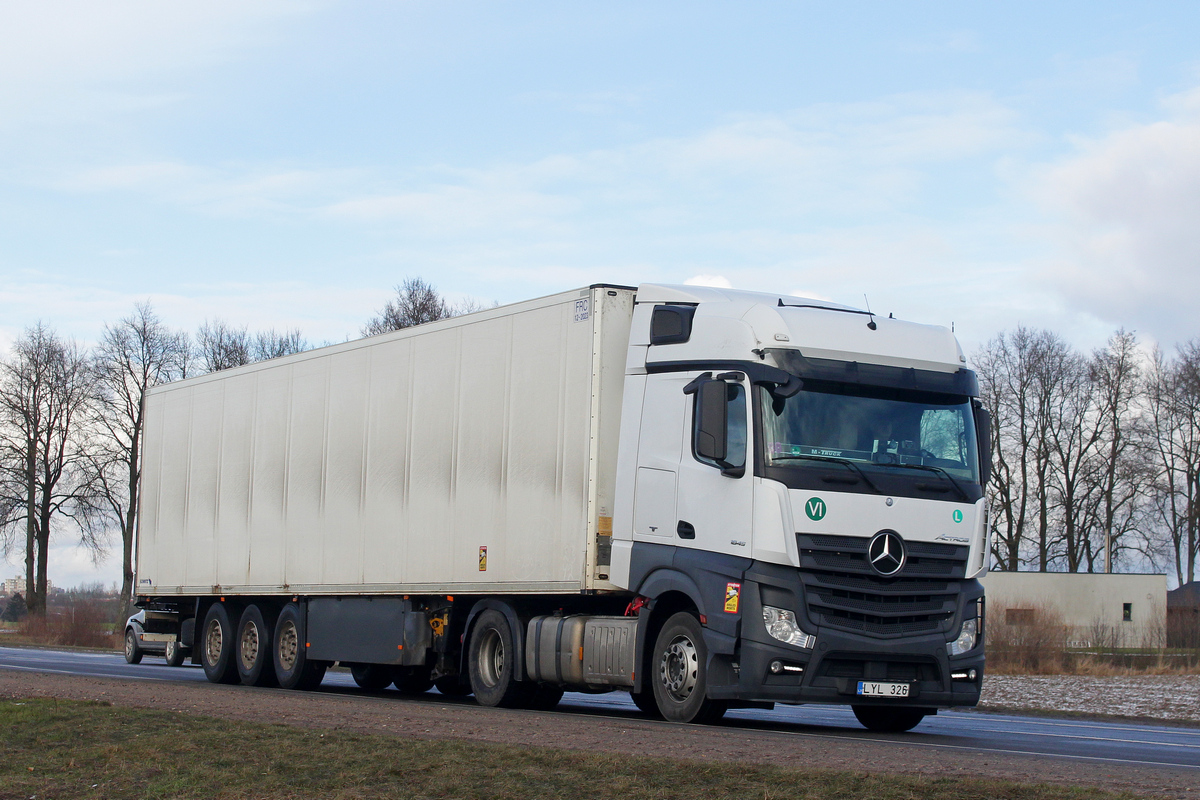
x=964, y=675
x=776, y=667
x=966, y=638
x=781, y=624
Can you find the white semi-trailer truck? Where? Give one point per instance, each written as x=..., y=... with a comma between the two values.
x=705, y=497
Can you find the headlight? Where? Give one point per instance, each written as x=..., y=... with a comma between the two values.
x=966, y=637
x=781, y=624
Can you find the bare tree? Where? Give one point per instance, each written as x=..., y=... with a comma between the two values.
x=44, y=392
x=1116, y=378
x=220, y=346
x=1172, y=440
x=273, y=344
x=1014, y=383
x=416, y=302
x=133, y=355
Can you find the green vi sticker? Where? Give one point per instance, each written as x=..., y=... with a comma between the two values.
x=815, y=508
x=958, y=515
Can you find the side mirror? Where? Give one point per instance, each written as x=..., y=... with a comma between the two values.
x=712, y=421
x=983, y=442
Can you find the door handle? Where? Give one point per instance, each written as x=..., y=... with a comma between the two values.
x=685, y=530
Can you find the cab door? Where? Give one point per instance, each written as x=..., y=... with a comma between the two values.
x=714, y=504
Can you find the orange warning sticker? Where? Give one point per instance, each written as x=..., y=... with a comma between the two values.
x=733, y=593
x=483, y=559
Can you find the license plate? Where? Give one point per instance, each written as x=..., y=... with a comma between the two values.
x=873, y=689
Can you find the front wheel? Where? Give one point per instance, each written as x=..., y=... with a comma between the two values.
x=680, y=676
x=883, y=719
x=174, y=654
x=133, y=650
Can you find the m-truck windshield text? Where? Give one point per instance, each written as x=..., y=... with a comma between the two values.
x=707, y=498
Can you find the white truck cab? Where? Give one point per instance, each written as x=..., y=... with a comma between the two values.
x=810, y=476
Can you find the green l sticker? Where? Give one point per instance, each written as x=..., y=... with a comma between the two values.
x=958, y=517
x=815, y=508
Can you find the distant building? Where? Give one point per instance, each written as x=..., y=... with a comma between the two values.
x=1120, y=609
x=1183, y=616
x=17, y=584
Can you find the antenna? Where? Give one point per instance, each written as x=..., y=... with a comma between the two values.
x=871, y=313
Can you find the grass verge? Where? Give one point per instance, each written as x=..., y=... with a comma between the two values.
x=67, y=749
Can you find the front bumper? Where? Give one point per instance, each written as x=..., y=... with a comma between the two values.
x=833, y=667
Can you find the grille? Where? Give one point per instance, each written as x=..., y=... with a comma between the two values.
x=842, y=591
x=856, y=668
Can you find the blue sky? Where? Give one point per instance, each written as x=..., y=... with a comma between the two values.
x=286, y=164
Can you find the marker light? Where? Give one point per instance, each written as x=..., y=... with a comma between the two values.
x=781, y=624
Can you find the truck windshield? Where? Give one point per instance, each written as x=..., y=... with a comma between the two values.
x=874, y=433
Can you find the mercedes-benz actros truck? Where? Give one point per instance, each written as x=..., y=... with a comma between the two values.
x=708, y=498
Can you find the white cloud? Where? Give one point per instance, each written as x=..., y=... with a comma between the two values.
x=1125, y=209
x=58, y=56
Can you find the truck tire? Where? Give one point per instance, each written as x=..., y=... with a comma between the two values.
x=412, y=680
x=293, y=668
x=217, y=646
x=490, y=664
x=680, y=672
x=255, y=665
x=174, y=654
x=885, y=719
x=371, y=677
x=133, y=650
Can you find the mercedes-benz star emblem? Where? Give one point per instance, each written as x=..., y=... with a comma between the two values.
x=886, y=553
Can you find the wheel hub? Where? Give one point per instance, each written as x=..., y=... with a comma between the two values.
x=249, y=648
x=213, y=642
x=289, y=643
x=679, y=668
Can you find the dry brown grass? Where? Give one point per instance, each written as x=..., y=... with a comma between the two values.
x=77, y=622
x=1035, y=641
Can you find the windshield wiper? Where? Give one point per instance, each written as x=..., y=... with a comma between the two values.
x=930, y=468
x=843, y=461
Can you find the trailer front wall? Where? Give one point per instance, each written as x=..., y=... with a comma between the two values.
x=382, y=465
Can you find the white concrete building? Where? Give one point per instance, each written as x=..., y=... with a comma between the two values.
x=1123, y=610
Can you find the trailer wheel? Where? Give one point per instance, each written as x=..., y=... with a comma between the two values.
x=133, y=650
x=371, y=677
x=680, y=676
x=217, y=646
x=254, y=662
x=174, y=654
x=412, y=680
x=293, y=668
x=883, y=719
x=490, y=663
x=452, y=686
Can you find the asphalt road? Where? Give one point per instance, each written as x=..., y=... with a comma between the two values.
x=1107, y=744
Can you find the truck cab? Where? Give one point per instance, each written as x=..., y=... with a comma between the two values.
x=809, y=478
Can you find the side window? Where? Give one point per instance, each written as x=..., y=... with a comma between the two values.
x=735, y=408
